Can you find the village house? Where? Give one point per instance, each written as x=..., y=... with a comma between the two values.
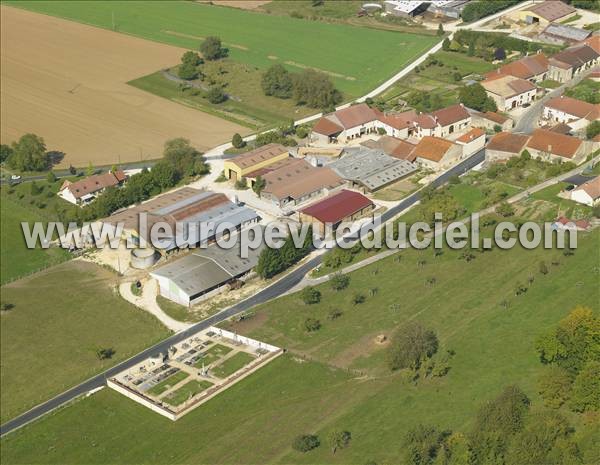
x=505, y=145
x=509, y=92
x=553, y=146
x=571, y=62
x=247, y=163
x=533, y=68
x=344, y=206
x=442, y=123
x=490, y=120
x=471, y=142
x=576, y=113
x=545, y=13
x=346, y=124
x=435, y=153
x=86, y=190
x=587, y=193
x=297, y=181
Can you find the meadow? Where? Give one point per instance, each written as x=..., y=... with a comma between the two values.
x=357, y=58
x=60, y=318
x=336, y=378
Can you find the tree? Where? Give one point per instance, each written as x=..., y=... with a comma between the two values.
x=277, y=82
x=554, y=385
x=90, y=169
x=586, y=388
x=340, y=281
x=164, y=174
x=410, y=346
x=593, y=129
x=269, y=263
x=339, y=440
x=237, y=141
x=187, y=71
x=192, y=58
x=5, y=152
x=474, y=96
x=422, y=445
x=471, y=49
x=51, y=177
x=311, y=296
x=306, y=442
x=446, y=44
x=358, y=298
x=259, y=185
x=440, y=30
x=315, y=89
x=28, y=154
x=312, y=325
x=72, y=170
x=212, y=48
x=215, y=95
x=105, y=353
x=500, y=54
x=184, y=157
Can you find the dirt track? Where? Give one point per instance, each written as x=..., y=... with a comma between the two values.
x=67, y=83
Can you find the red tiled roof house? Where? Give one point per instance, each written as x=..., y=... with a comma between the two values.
x=86, y=190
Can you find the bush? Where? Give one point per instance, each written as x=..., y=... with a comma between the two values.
x=302, y=132
x=212, y=49
x=505, y=209
x=554, y=385
x=311, y=296
x=305, y=442
x=237, y=141
x=216, y=95
x=340, y=281
x=358, y=298
x=312, y=325
x=241, y=184
x=411, y=345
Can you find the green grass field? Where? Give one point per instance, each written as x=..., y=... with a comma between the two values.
x=232, y=364
x=359, y=58
x=256, y=420
x=61, y=317
x=182, y=394
x=167, y=383
x=214, y=353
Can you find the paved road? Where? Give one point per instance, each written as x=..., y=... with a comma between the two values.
x=275, y=290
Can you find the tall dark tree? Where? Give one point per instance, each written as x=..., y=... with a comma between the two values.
x=29, y=154
x=182, y=156
x=474, y=96
x=315, y=89
x=5, y=152
x=411, y=345
x=277, y=82
x=212, y=49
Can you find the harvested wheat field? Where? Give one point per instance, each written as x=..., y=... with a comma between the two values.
x=67, y=83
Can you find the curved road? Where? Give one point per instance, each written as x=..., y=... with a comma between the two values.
x=275, y=290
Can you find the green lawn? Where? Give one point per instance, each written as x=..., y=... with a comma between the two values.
x=214, y=353
x=61, y=317
x=256, y=420
x=587, y=90
x=167, y=383
x=191, y=388
x=359, y=58
x=232, y=364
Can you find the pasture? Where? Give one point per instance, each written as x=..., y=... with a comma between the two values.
x=60, y=318
x=72, y=91
x=336, y=377
x=357, y=58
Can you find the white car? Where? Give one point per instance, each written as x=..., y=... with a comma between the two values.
x=15, y=177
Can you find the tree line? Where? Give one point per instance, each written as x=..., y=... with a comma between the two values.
x=273, y=261
x=480, y=9
x=308, y=87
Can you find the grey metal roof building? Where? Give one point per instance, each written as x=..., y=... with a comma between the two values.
x=371, y=168
x=204, y=270
x=560, y=33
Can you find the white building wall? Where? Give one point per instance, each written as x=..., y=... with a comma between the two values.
x=581, y=196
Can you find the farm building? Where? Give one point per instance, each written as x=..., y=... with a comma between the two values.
x=587, y=193
x=297, y=181
x=435, y=153
x=545, y=13
x=245, y=164
x=344, y=206
x=561, y=34
x=452, y=9
x=203, y=273
x=86, y=190
x=553, y=146
x=393, y=147
x=443, y=122
x=192, y=214
x=571, y=62
x=594, y=42
x=505, y=145
x=489, y=120
x=532, y=68
x=412, y=8
x=576, y=113
x=370, y=169
x=472, y=141
x=509, y=92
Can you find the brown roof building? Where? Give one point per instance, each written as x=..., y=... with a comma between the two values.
x=552, y=10
x=394, y=147
x=505, y=145
x=593, y=42
x=574, y=108
x=434, y=152
x=549, y=144
x=86, y=190
x=532, y=68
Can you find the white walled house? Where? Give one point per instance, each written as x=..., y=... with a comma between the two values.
x=471, y=142
x=588, y=193
x=509, y=92
x=86, y=190
x=576, y=113
x=437, y=154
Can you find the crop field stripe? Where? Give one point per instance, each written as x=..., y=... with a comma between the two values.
x=370, y=55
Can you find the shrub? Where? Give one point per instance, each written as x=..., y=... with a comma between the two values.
x=311, y=296
x=340, y=281
x=215, y=95
x=411, y=345
x=358, y=298
x=237, y=141
x=312, y=324
x=305, y=442
x=212, y=49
